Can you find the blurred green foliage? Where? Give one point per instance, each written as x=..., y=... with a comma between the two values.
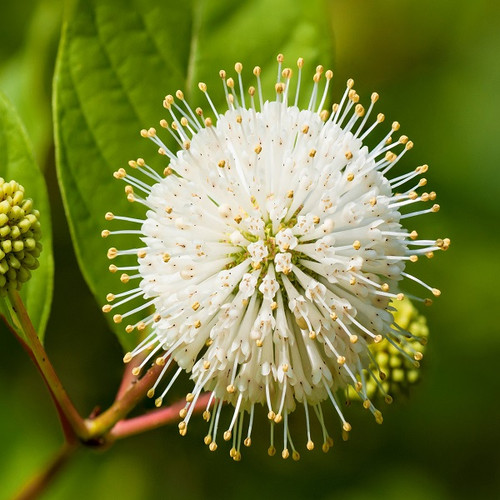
x=435, y=65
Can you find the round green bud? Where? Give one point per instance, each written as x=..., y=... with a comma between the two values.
x=396, y=368
x=400, y=369
x=20, y=236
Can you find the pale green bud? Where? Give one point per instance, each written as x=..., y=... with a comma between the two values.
x=396, y=369
x=401, y=372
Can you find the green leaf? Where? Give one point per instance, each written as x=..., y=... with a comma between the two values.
x=17, y=162
x=118, y=59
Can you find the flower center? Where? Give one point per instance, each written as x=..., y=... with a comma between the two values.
x=258, y=241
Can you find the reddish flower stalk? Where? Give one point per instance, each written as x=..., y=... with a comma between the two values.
x=154, y=419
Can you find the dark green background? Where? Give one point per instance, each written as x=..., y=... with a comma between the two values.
x=436, y=66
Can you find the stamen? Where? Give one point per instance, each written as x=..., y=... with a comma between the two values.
x=300, y=64
x=328, y=76
x=310, y=444
x=248, y=440
x=159, y=401
x=203, y=87
x=256, y=72
x=151, y=391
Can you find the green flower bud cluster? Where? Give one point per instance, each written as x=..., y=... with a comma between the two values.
x=396, y=370
x=19, y=236
x=400, y=372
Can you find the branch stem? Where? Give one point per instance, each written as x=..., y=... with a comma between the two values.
x=100, y=425
x=154, y=419
x=42, y=362
x=41, y=482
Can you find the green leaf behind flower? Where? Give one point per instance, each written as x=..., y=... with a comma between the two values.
x=17, y=163
x=118, y=59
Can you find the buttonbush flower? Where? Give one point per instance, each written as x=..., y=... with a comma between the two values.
x=19, y=237
x=271, y=249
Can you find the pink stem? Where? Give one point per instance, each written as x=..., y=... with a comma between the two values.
x=155, y=418
x=103, y=423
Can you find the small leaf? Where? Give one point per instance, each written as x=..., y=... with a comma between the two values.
x=117, y=60
x=17, y=163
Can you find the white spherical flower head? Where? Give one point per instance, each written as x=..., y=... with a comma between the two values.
x=273, y=246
